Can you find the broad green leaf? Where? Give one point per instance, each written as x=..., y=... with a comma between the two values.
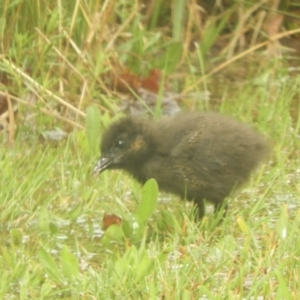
x=75, y=212
x=49, y=264
x=283, y=288
x=113, y=234
x=44, y=219
x=148, y=203
x=186, y=294
x=144, y=268
x=172, y=57
x=161, y=258
x=69, y=263
x=126, y=227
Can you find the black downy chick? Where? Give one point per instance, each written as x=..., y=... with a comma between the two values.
x=196, y=155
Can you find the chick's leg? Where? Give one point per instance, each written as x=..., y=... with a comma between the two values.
x=200, y=209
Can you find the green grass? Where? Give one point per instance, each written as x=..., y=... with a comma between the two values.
x=51, y=217
x=51, y=206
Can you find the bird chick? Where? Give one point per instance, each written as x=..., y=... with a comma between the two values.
x=197, y=155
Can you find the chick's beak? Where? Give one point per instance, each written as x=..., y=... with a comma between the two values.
x=103, y=163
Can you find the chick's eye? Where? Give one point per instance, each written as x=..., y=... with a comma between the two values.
x=120, y=144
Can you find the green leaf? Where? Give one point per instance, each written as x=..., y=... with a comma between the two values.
x=44, y=219
x=149, y=198
x=7, y=256
x=75, y=212
x=244, y=227
x=186, y=294
x=172, y=56
x=53, y=228
x=126, y=227
x=144, y=268
x=49, y=264
x=162, y=257
x=113, y=234
x=283, y=288
x=69, y=263
x=119, y=268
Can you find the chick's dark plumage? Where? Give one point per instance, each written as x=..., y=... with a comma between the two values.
x=194, y=155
